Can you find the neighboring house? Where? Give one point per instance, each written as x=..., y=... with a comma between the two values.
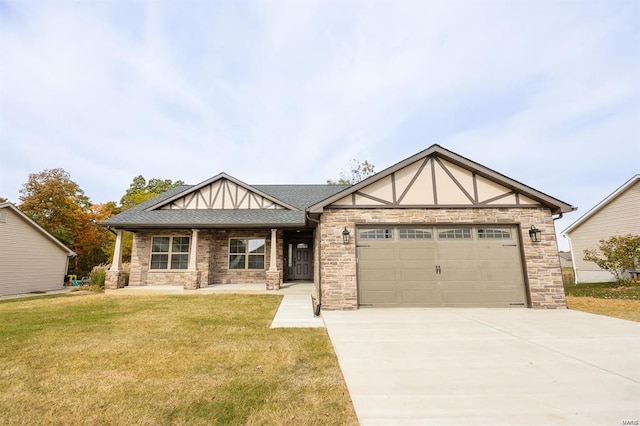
x=436, y=229
x=618, y=214
x=31, y=259
x=565, y=259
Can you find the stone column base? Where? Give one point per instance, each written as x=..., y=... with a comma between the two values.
x=115, y=279
x=192, y=280
x=273, y=280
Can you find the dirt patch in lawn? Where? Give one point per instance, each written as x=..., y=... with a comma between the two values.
x=618, y=308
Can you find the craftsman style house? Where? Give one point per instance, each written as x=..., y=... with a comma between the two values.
x=436, y=229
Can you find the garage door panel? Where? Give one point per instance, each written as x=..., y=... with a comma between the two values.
x=424, y=297
x=423, y=254
x=417, y=275
x=373, y=277
x=386, y=297
x=458, y=252
x=488, y=276
x=376, y=254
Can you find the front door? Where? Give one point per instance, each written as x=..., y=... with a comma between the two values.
x=301, y=268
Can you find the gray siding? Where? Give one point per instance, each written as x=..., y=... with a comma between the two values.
x=618, y=217
x=29, y=261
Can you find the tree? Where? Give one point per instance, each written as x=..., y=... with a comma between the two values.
x=359, y=172
x=57, y=203
x=3, y=200
x=140, y=190
x=618, y=255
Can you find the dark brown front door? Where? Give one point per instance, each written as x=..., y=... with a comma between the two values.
x=302, y=262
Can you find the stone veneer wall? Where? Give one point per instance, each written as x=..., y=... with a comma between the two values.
x=220, y=272
x=212, y=262
x=338, y=260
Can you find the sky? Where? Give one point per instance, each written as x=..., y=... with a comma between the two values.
x=270, y=92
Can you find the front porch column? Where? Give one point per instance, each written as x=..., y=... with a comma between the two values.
x=116, y=277
x=192, y=282
x=116, y=265
x=273, y=274
x=193, y=251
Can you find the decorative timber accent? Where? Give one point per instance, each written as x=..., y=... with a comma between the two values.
x=433, y=181
x=223, y=194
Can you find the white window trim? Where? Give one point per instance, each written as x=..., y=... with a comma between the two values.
x=247, y=254
x=169, y=253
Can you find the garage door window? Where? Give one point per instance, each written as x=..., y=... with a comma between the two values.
x=414, y=234
x=455, y=234
x=376, y=234
x=494, y=234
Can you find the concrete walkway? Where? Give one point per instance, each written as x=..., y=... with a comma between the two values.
x=295, y=311
x=488, y=366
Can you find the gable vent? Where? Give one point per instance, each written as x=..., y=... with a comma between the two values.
x=3, y=217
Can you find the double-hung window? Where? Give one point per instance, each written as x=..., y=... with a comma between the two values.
x=170, y=252
x=246, y=253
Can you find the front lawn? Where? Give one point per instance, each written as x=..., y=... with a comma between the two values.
x=611, y=290
x=611, y=299
x=95, y=359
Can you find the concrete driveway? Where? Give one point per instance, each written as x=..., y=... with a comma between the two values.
x=488, y=366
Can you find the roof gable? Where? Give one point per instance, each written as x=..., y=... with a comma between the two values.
x=604, y=203
x=440, y=178
x=221, y=192
x=37, y=227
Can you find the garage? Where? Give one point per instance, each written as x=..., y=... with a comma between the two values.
x=440, y=266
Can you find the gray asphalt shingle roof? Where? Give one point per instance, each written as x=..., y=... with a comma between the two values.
x=299, y=196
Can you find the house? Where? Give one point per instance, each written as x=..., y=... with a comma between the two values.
x=617, y=214
x=565, y=259
x=31, y=259
x=436, y=229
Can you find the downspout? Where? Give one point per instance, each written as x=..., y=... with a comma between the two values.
x=318, y=306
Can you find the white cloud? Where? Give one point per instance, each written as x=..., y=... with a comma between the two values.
x=282, y=91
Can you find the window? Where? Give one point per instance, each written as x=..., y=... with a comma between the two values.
x=455, y=234
x=494, y=234
x=415, y=234
x=246, y=253
x=376, y=234
x=169, y=252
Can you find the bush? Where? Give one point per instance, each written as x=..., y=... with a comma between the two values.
x=98, y=275
x=618, y=254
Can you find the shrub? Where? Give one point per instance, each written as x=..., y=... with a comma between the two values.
x=618, y=255
x=98, y=275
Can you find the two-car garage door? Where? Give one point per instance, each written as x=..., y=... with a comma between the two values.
x=462, y=266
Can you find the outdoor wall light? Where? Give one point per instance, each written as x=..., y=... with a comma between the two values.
x=535, y=233
x=345, y=235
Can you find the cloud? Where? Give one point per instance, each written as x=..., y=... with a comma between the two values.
x=281, y=91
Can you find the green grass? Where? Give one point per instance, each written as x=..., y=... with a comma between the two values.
x=609, y=290
x=96, y=359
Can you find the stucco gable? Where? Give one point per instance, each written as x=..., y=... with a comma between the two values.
x=440, y=178
x=221, y=192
